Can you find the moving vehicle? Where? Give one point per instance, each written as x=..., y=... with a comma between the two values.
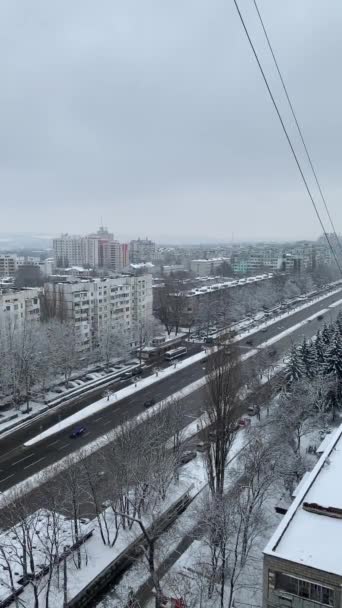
x=149, y=402
x=175, y=353
x=320, y=317
x=77, y=432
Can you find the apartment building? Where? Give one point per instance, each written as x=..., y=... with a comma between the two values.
x=18, y=307
x=8, y=264
x=96, y=250
x=142, y=250
x=302, y=561
x=204, y=268
x=96, y=304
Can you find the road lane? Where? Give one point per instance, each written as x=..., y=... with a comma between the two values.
x=116, y=413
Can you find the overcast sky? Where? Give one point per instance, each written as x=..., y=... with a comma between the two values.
x=152, y=115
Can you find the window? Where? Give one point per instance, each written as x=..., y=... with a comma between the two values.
x=301, y=588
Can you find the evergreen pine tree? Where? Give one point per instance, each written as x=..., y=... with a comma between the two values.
x=326, y=334
x=294, y=368
x=319, y=349
x=333, y=368
x=307, y=356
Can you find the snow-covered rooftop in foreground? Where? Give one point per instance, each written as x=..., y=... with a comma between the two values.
x=315, y=539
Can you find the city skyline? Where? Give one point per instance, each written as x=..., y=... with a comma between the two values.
x=128, y=116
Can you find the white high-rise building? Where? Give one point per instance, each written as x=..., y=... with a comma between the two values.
x=96, y=304
x=8, y=264
x=98, y=250
x=142, y=250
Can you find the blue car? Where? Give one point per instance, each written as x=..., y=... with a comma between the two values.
x=78, y=432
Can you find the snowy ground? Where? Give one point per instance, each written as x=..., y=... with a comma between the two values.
x=96, y=556
x=41, y=528
x=185, y=578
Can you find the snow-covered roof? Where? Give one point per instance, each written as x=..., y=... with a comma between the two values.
x=309, y=533
x=142, y=265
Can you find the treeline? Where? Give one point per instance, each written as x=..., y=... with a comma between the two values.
x=320, y=361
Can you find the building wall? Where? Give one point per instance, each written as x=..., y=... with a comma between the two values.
x=142, y=250
x=278, y=600
x=97, y=304
x=8, y=265
x=19, y=307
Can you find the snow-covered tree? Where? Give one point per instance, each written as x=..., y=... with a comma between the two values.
x=294, y=367
x=307, y=355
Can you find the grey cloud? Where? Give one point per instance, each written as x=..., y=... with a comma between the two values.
x=153, y=114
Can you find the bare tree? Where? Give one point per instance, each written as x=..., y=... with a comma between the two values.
x=222, y=409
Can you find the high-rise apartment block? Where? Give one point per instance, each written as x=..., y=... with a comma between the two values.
x=142, y=250
x=98, y=250
x=8, y=264
x=18, y=307
x=95, y=305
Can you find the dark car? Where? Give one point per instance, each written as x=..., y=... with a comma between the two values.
x=320, y=317
x=80, y=430
x=149, y=402
x=249, y=342
x=187, y=457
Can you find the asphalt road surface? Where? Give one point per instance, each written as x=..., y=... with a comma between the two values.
x=17, y=462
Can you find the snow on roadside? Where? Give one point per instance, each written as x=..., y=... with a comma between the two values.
x=102, y=404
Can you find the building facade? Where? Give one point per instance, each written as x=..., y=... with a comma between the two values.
x=97, y=250
x=302, y=561
x=18, y=307
x=8, y=265
x=96, y=305
x=205, y=268
x=142, y=250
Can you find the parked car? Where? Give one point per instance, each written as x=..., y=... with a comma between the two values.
x=149, y=403
x=320, y=317
x=187, y=457
x=128, y=374
x=244, y=422
x=77, y=432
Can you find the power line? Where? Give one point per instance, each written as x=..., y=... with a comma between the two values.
x=297, y=125
x=287, y=135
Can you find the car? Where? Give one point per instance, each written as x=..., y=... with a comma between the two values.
x=264, y=329
x=187, y=457
x=77, y=432
x=209, y=340
x=244, y=422
x=128, y=374
x=149, y=402
x=320, y=317
x=249, y=342
x=138, y=371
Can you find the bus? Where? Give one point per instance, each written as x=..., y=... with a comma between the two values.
x=175, y=353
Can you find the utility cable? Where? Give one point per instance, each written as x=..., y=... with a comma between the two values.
x=297, y=125
x=287, y=136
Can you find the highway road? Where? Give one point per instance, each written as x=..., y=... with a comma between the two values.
x=17, y=462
